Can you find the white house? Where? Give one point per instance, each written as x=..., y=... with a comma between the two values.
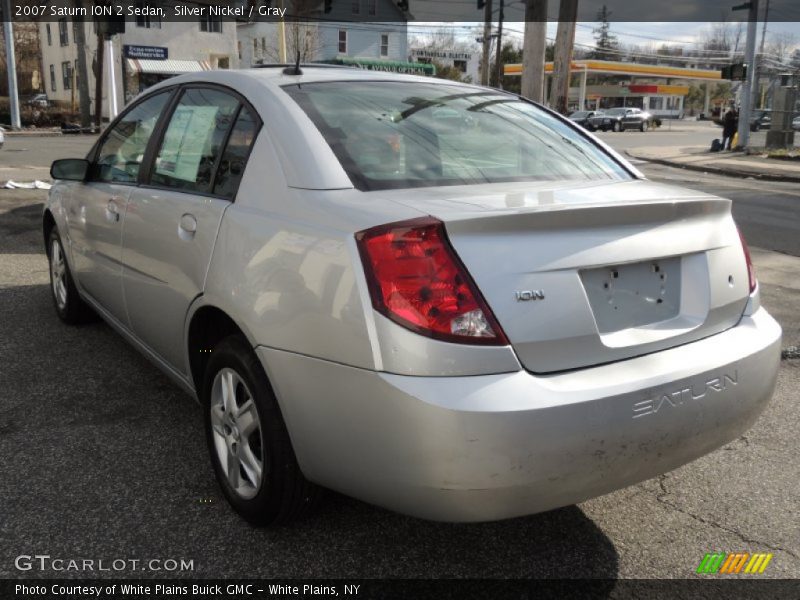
x=372, y=31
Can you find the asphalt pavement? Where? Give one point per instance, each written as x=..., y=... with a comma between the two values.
x=105, y=459
x=677, y=133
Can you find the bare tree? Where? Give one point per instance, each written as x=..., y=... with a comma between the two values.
x=442, y=40
x=724, y=39
x=779, y=46
x=28, y=58
x=303, y=37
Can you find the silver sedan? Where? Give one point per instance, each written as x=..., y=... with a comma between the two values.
x=435, y=297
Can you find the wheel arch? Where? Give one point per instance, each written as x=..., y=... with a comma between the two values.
x=208, y=325
x=48, y=224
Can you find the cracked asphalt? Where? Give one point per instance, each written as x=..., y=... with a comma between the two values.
x=104, y=459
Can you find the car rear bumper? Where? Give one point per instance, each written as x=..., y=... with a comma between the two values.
x=498, y=446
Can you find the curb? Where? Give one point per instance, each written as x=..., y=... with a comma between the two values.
x=24, y=134
x=719, y=170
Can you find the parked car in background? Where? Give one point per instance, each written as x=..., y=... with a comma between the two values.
x=760, y=119
x=796, y=123
x=620, y=119
x=583, y=118
x=432, y=296
x=38, y=100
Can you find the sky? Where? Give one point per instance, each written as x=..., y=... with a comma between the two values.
x=641, y=34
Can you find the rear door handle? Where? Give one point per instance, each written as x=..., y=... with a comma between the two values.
x=187, y=225
x=112, y=210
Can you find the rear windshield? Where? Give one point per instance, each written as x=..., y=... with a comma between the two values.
x=399, y=135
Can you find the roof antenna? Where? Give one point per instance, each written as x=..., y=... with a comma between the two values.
x=295, y=70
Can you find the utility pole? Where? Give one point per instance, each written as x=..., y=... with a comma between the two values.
x=282, y=38
x=499, y=56
x=98, y=81
x=562, y=65
x=112, y=79
x=11, y=62
x=487, y=39
x=749, y=59
x=83, y=73
x=533, y=50
x=760, y=58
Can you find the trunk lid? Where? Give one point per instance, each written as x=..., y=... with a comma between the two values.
x=585, y=274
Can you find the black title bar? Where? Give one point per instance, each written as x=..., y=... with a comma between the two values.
x=392, y=11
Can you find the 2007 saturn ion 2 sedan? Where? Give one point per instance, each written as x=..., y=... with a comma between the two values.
x=435, y=297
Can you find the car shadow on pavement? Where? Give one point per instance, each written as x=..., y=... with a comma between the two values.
x=559, y=544
x=17, y=224
x=119, y=468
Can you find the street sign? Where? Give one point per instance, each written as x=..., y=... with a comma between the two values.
x=147, y=52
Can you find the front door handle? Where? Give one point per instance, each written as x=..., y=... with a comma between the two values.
x=187, y=226
x=112, y=210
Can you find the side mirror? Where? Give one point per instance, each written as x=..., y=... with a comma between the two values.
x=71, y=169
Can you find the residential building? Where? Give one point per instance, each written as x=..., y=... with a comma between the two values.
x=373, y=32
x=150, y=50
x=466, y=61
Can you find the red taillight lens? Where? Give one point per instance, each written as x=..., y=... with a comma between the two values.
x=751, y=270
x=416, y=279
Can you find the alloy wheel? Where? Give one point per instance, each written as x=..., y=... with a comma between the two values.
x=58, y=274
x=237, y=433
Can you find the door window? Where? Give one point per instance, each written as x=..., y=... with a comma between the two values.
x=234, y=159
x=121, y=152
x=193, y=141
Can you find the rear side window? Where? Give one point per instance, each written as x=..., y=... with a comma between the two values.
x=400, y=134
x=194, y=139
x=120, y=155
x=234, y=159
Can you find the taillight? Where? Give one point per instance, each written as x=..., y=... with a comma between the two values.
x=751, y=270
x=416, y=279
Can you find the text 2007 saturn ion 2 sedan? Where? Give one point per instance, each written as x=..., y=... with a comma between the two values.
x=435, y=297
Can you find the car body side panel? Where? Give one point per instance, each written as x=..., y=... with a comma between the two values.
x=290, y=284
x=95, y=237
x=165, y=266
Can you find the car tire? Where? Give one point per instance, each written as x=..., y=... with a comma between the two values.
x=70, y=307
x=643, y=126
x=245, y=430
x=617, y=126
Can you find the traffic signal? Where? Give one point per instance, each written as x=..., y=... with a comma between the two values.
x=736, y=72
x=402, y=5
x=328, y=6
x=110, y=25
x=481, y=4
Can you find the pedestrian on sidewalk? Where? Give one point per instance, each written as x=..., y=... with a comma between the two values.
x=730, y=123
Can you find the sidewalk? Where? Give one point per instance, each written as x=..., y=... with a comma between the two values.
x=737, y=164
x=41, y=132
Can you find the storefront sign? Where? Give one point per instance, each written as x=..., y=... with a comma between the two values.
x=146, y=52
x=441, y=54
